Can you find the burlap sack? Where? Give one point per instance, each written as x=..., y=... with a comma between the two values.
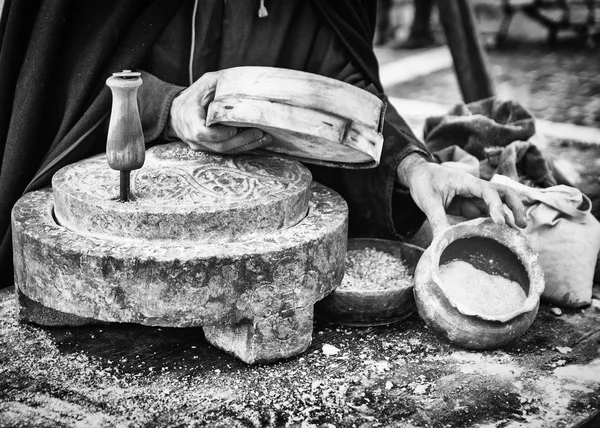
x=457, y=158
x=566, y=236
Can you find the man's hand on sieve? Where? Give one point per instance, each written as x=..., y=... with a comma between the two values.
x=187, y=121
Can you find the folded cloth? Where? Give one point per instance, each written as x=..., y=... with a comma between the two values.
x=566, y=236
x=521, y=160
x=473, y=127
x=455, y=157
x=495, y=132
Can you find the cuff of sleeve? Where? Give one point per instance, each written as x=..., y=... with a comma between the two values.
x=403, y=217
x=155, y=98
x=398, y=186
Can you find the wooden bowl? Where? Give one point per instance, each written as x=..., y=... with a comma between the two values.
x=496, y=250
x=312, y=118
x=368, y=307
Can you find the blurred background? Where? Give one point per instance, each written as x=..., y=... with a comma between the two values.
x=543, y=53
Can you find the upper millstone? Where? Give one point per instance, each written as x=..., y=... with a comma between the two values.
x=180, y=194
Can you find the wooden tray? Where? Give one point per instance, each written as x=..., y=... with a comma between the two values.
x=312, y=118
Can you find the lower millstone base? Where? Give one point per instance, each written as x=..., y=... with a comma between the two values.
x=254, y=299
x=281, y=336
x=31, y=311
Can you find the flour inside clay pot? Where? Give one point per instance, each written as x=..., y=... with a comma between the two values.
x=476, y=291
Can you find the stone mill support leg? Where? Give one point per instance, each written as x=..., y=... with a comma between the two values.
x=282, y=335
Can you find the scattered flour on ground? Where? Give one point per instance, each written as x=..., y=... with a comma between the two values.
x=590, y=373
x=493, y=365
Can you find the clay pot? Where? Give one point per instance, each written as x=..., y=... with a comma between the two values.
x=497, y=250
x=367, y=307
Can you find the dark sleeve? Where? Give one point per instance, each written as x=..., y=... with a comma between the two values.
x=55, y=57
x=379, y=207
x=154, y=100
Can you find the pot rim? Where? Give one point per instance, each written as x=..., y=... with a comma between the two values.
x=383, y=241
x=515, y=242
x=382, y=293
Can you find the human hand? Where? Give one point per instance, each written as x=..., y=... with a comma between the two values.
x=438, y=190
x=187, y=121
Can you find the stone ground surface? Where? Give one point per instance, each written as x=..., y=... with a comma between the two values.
x=560, y=83
x=400, y=375
x=556, y=82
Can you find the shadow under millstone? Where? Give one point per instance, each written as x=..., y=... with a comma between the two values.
x=137, y=349
x=140, y=349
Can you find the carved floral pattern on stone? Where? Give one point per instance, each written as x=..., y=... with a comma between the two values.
x=277, y=305
x=229, y=183
x=206, y=178
x=104, y=181
x=269, y=167
x=284, y=328
x=162, y=186
x=264, y=300
x=307, y=290
x=177, y=151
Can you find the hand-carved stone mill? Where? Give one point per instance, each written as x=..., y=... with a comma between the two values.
x=241, y=245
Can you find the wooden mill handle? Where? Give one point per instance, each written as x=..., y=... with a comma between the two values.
x=125, y=149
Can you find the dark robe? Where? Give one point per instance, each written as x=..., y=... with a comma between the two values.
x=55, y=56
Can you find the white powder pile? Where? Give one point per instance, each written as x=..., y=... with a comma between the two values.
x=480, y=292
x=371, y=269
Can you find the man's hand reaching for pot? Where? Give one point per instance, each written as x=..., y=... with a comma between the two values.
x=187, y=121
x=439, y=190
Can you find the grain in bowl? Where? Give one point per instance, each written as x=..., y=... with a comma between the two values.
x=377, y=287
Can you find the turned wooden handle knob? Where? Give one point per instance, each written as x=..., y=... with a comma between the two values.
x=125, y=149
